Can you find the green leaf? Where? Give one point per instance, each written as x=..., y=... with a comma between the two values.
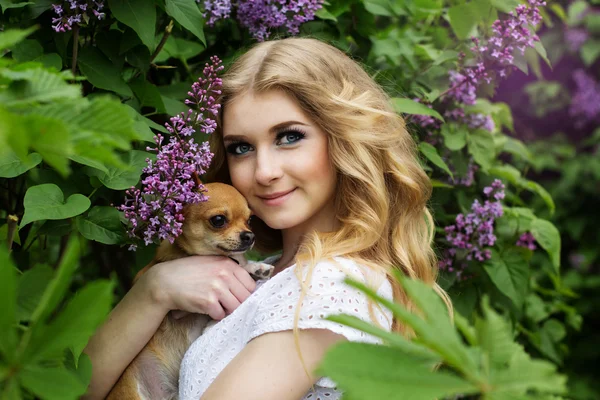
x=409, y=106
x=31, y=287
x=590, y=51
x=463, y=18
x=11, y=165
x=517, y=148
x=47, y=202
x=58, y=285
x=187, y=13
x=432, y=155
x=102, y=224
x=505, y=5
x=10, y=37
x=36, y=85
x=148, y=94
x=50, y=138
x=179, y=48
x=540, y=191
x=379, y=7
x=8, y=291
x=100, y=72
x=374, y=372
x=124, y=178
x=455, y=136
x=548, y=237
x=6, y=4
x=76, y=323
x=139, y=15
x=322, y=13
x=481, y=147
x=52, y=383
x=509, y=271
x=27, y=50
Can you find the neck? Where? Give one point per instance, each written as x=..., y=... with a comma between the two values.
x=293, y=238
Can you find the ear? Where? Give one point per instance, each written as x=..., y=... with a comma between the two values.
x=196, y=179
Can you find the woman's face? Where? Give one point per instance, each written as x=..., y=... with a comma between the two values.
x=278, y=159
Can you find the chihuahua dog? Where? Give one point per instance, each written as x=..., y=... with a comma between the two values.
x=219, y=226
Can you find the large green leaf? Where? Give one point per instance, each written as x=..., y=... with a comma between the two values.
x=10, y=37
x=139, y=15
x=548, y=237
x=124, y=178
x=509, y=271
x=432, y=155
x=148, y=94
x=31, y=287
x=47, y=202
x=76, y=323
x=481, y=147
x=187, y=13
x=8, y=296
x=11, y=165
x=102, y=224
x=52, y=383
x=409, y=106
x=455, y=136
x=36, y=85
x=463, y=18
x=373, y=372
x=101, y=72
x=50, y=138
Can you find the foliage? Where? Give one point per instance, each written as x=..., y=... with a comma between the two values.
x=78, y=109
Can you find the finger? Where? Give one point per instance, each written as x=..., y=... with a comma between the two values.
x=239, y=290
x=215, y=310
x=244, y=278
x=228, y=301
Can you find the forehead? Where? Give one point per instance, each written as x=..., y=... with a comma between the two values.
x=257, y=112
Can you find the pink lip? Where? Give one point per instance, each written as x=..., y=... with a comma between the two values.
x=275, y=199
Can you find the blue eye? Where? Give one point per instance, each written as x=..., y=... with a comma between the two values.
x=291, y=136
x=238, y=148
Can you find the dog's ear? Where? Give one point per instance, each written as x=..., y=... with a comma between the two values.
x=196, y=178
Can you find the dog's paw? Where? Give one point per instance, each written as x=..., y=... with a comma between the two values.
x=260, y=270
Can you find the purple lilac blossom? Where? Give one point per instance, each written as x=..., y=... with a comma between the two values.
x=216, y=10
x=71, y=12
x=154, y=212
x=575, y=38
x=585, y=101
x=472, y=235
x=260, y=16
x=527, y=240
x=496, y=55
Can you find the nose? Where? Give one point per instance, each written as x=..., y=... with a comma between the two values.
x=247, y=238
x=267, y=167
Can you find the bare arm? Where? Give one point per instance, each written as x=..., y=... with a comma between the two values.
x=202, y=284
x=262, y=373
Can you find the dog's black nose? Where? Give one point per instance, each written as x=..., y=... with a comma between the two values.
x=247, y=237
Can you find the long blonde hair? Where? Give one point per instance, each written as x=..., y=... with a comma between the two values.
x=382, y=190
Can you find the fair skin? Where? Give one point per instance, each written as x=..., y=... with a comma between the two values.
x=262, y=160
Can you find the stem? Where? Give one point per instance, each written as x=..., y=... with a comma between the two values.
x=75, y=49
x=12, y=229
x=163, y=40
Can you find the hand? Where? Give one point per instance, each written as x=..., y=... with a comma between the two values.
x=213, y=285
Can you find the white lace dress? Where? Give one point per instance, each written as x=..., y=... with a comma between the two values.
x=271, y=308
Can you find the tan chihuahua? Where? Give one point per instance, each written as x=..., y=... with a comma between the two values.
x=218, y=226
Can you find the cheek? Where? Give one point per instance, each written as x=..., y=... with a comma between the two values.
x=240, y=177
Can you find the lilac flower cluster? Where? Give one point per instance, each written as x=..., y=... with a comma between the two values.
x=527, y=240
x=496, y=55
x=154, y=212
x=470, y=234
x=75, y=12
x=260, y=16
x=585, y=101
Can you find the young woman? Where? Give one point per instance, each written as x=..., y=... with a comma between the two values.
x=333, y=179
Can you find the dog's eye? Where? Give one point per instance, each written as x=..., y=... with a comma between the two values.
x=218, y=221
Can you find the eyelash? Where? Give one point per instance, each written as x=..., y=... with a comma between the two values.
x=280, y=135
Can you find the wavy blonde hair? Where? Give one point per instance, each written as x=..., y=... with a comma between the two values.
x=382, y=190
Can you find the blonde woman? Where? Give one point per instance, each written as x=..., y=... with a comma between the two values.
x=333, y=179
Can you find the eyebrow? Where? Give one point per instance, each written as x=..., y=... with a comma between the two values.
x=273, y=130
